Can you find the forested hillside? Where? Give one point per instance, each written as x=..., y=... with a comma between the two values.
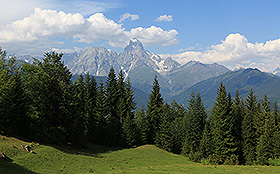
x=39, y=101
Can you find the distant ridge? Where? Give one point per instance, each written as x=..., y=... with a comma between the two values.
x=243, y=80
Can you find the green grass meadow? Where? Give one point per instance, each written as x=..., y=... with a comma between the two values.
x=100, y=159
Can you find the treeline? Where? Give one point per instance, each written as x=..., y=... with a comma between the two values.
x=40, y=102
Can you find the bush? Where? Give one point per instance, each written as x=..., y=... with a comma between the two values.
x=233, y=160
x=274, y=162
x=195, y=156
x=205, y=161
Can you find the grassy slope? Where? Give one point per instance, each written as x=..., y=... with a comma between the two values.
x=97, y=159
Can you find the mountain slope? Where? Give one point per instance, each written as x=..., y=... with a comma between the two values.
x=243, y=80
x=141, y=66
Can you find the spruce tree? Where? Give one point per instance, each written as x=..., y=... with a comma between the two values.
x=196, y=122
x=90, y=106
x=154, y=110
x=238, y=116
x=205, y=146
x=249, y=135
x=265, y=144
x=164, y=136
x=13, y=117
x=129, y=125
x=113, y=119
x=276, y=135
x=222, y=130
x=142, y=127
x=101, y=115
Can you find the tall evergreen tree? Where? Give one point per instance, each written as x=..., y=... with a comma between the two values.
x=154, y=110
x=141, y=125
x=178, y=126
x=265, y=144
x=196, y=122
x=164, y=136
x=101, y=115
x=223, y=124
x=128, y=124
x=238, y=116
x=249, y=135
x=90, y=106
x=113, y=119
x=44, y=82
x=13, y=118
x=205, y=146
x=276, y=136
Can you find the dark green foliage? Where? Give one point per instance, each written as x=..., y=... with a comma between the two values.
x=196, y=117
x=45, y=83
x=265, y=147
x=223, y=126
x=129, y=125
x=13, y=118
x=164, y=136
x=141, y=125
x=113, y=119
x=205, y=146
x=90, y=100
x=101, y=115
x=178, y=126
x=249, y=135
x=276, y=136
x=154, y=111
x=238, y=116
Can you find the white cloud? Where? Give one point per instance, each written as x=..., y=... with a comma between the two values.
x=41, y=28
x=125, y=16
x=235, y=51
x=11, y=10
x=166, y=18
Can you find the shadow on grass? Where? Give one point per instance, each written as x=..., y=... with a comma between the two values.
x=90, y=150
x=11, y=168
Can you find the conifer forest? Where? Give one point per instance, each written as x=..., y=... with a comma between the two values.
x=39, y=101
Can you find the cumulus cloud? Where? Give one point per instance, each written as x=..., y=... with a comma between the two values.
x=125, y=16
x=43, y=26
x=166, y=18
x=235, y=52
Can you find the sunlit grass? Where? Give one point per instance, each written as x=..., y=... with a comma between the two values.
x=100, y=159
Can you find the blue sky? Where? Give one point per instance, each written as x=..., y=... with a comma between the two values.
x=232, y=33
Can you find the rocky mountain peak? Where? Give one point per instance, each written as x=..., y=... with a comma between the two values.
x=134, y=44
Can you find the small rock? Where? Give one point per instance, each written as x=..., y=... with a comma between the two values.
x=2, y=156
x=13, y=146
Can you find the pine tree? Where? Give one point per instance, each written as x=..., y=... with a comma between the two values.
x=141, y=125
x=90, y=106
x=101, y=115
x=128, y=125
x=113, y=119
x=265, y=144
x=196, y=123
x=205, y=146
x=238, y=116
x=163, y=138
x=276, y=135
x=178, y=126
x=249, y=135
x=154, y=110
x=13, y=117
x=223, y=138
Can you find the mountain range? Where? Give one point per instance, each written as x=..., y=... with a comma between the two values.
x=141, y=66
x=176, y=80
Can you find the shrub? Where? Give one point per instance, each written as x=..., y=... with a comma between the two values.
x=205, y=161
x=274, y=162
x=195, y=156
